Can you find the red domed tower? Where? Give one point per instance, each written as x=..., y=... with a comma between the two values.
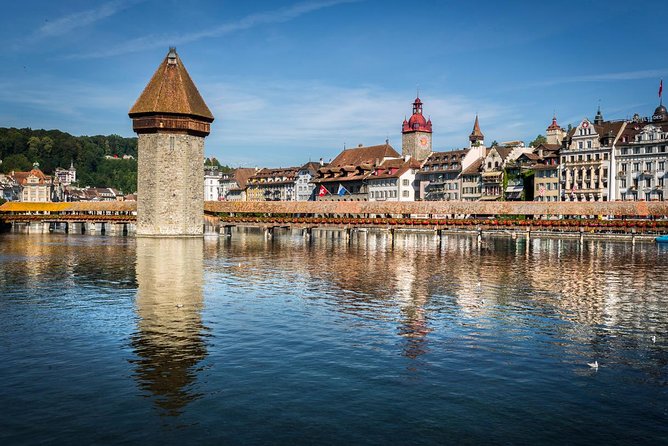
x=416, y=134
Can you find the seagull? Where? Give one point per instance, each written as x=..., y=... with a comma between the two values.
x=593, y=365
x=653, y=339
x=179, y=305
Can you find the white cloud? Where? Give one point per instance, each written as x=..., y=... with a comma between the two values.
x=288, y=123
x=152, y=41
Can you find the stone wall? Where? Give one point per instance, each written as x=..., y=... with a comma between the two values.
x=170, y=185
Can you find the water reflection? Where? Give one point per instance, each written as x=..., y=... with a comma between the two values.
x=169, y=341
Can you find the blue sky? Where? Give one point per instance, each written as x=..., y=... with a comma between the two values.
x=292, y=81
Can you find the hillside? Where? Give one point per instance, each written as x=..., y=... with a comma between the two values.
x=20, y=148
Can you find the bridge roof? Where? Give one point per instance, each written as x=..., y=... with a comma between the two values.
x=76, y=206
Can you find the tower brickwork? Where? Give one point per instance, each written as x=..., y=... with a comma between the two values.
x=171, y=120
x=416, y=134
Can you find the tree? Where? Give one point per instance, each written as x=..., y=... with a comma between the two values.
x=494, y=143
x=18, y=163
x=540, y=139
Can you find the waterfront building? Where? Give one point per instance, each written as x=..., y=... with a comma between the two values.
x=65, y=177
x=416, y=134
x=212, y=178
x=586, y=159
x=393, y=180
x=345, y=177
x=546, y=173
x=171, y=120
x=641, y=158
x=10, y=190
x=439, y=177
x=471, y=180
x=273, y=184
x=233, y=185
x=35, y=186
x=305, y=188
x=493, y=173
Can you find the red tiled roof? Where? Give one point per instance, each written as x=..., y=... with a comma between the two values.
x=361, y=155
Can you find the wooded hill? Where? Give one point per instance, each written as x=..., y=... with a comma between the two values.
x=20, y=148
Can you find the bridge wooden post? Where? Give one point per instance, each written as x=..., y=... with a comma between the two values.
x=479, y=230
x=581, y=236
x=392, y=230
x=268, y=232
x=346, y=234
x=439, y=236
x=633, y=236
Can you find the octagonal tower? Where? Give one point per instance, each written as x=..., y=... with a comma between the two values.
x=171, y=120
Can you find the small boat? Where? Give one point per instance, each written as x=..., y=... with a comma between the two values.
x=662, y=239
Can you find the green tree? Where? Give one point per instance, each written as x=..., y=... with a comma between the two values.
x=540, y=139
x=18, y=163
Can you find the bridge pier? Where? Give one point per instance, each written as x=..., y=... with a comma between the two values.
x=268, y=232
x=307, y=233
x=581, y=236
x=391, y=235
x=479, y=236
x=633, y=236
x=226, y=230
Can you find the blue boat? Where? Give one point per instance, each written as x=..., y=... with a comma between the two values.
x=662, y=239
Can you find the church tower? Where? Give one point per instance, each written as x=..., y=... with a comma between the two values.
x=172, y=120
x=476, y=138
x=416, y=134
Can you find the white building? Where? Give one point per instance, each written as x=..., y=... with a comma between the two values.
x=305, y=188
x=394, y=180
x=212, y=183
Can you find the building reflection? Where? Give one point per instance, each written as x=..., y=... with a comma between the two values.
x=169, y=342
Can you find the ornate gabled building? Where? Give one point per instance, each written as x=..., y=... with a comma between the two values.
x=641, y=158
x=172, y=120
x=35, y=186
x=416, y=134
x=305, y=188
x=586, y=159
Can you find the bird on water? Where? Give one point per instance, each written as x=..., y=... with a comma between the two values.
x=593, y=365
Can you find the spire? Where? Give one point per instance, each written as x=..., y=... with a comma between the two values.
x=554, y=125
x=598, y=120
x=476, y=135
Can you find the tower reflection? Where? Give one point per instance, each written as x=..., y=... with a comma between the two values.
x=169, y=339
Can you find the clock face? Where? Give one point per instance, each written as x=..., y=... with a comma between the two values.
x=585, y=124
x=423, y=141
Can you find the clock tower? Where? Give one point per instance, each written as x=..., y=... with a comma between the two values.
x=416, y=134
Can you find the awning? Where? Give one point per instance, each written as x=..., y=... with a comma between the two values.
x=514, y=189
x=491, y=174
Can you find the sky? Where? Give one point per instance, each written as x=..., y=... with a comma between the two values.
x=293, y=81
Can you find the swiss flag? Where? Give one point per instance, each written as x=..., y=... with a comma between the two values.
x=323, y=191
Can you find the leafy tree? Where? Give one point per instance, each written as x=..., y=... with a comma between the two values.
x=17, y=162
x=540, y=139
x=495, y=143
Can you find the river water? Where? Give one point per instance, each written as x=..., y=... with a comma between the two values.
x=285, y=341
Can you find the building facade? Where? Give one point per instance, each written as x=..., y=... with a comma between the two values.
x=393, y=180
x=212, y=177
x=586, y=159
x=641, y=158
x=305, y=188
x=439, y=177
x=273, y=184
x=35, y=186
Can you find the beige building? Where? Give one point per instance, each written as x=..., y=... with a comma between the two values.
x=273, y=184
x=439, y=176
x=35, y=186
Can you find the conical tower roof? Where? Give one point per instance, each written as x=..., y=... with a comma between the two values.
x=171, y=91
x=476, y=134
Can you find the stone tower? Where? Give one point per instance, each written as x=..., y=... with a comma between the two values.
x=172, y=120
x=476, y=138
x=416, y=134
x=554, y=133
